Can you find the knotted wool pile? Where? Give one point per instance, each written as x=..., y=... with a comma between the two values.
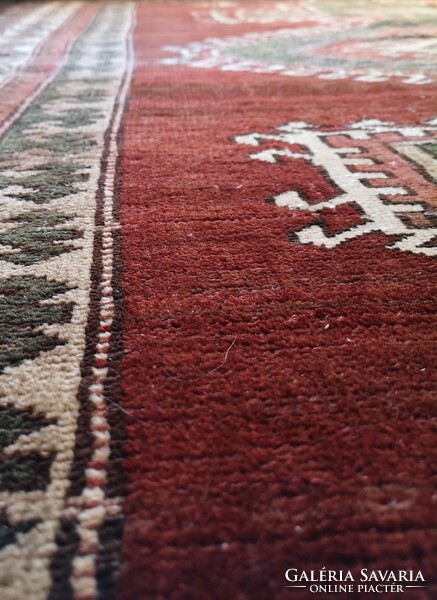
x=217, y=298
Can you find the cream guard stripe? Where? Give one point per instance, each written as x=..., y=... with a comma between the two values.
x=50, y=163
x=91, y=519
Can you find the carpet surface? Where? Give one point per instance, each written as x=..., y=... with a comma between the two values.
x=218, y=240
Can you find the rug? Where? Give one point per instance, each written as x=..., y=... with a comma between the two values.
x=218, y=244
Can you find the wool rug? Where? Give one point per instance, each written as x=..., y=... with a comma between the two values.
x=217, y=300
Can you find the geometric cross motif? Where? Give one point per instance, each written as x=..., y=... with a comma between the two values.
x=354, y=160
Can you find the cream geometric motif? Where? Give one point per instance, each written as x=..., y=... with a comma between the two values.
x=328, y=50
x=341, y=165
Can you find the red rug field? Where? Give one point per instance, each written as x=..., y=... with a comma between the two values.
x=218, y=245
